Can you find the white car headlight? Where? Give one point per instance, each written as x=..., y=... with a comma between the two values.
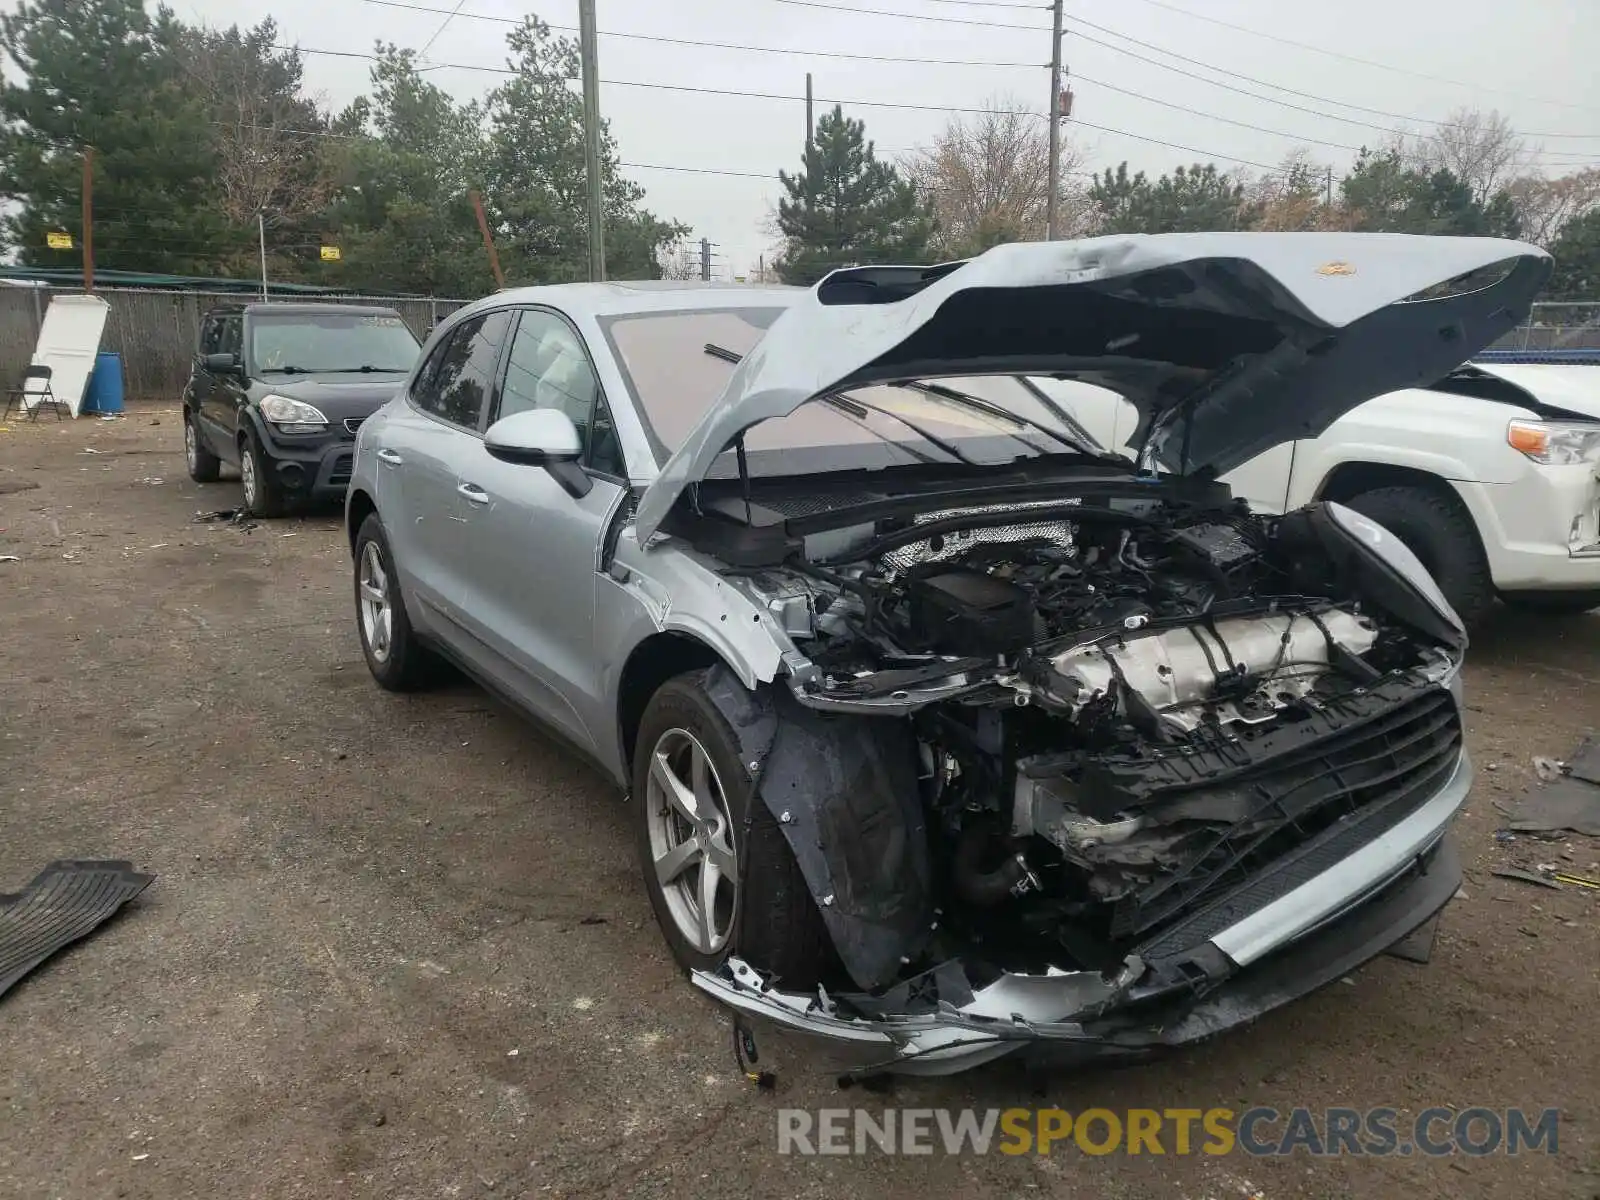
x=1556, y=443
x=293, y=416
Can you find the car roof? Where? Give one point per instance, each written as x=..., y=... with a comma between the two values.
x=300, y=306
x=649, y=295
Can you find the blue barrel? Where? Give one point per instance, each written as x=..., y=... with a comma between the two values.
x=104, y=393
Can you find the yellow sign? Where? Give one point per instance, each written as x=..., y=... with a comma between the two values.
x=58, y=241
x=330, y=254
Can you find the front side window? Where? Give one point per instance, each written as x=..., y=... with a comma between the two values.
x=455, y=387
x=548, y=367
x=310, y=342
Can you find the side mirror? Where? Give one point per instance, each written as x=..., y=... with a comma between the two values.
x=222, y=364
x=541, y=437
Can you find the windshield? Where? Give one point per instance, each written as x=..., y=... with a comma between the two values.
x=674, y=379
x=297, y=342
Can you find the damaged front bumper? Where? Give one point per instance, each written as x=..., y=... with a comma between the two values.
x=939, y=1023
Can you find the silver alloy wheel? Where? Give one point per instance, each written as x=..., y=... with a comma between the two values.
x=247, y=476
x=376, y=618
x=691, y=840
x=191, y=450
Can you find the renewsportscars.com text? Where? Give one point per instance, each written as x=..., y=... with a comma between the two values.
x=1377, y=1132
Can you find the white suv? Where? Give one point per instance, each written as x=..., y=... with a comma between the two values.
x=1497, y=497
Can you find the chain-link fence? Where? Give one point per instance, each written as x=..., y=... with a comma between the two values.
x=1557, y=325
x=156, y=332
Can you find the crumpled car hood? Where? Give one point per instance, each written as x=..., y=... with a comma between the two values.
x=1227, y=343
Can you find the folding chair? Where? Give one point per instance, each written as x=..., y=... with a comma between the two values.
x=35, y=388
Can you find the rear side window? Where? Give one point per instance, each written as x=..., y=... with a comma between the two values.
x=459, y=376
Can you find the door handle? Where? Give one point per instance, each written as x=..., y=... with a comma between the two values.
x=473, y=493
x=390, y=457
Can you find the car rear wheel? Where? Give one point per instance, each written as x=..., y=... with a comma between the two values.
x=1439, y=531
x=719, y=872
x=204, y=466
x=1553, y=603
x=396, y=658
x=262, y=495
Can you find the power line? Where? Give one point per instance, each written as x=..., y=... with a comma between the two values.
x=879, y=12
x=1298, y=137
x=748, y=95
x=707, y=45
x=451, y=16
x=1266, y=84
x=1365, y=62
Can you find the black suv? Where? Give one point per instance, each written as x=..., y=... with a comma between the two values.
x=280, y=389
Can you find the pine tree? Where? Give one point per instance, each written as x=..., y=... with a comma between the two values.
x=845, y=207
x=104, y=73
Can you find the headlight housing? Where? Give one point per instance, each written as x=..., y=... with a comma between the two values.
x=1556, y=443
x=292, y=416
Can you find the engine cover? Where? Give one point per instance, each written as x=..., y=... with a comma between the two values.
x=1175, y=671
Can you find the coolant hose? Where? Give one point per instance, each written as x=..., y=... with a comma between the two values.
x=976, y=882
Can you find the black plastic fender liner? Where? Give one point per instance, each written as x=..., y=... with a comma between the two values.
x=844, y=791
x=66, y=901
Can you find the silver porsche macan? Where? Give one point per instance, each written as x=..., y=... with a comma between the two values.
x=948, y=734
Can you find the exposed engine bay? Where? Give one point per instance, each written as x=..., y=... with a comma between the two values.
x=1124, y=714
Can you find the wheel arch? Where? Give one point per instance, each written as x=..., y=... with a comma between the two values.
x=358, y=506
x=656, y=659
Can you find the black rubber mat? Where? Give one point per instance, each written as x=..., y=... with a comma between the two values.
x=65, y=902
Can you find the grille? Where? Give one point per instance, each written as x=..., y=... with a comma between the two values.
x=351, y=424
x=1311, y=813
x=943, y=546
x=340, y=471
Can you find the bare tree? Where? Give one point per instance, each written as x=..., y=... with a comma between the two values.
x=1545, y=206
x=680, y=260
x=1479, y=148
x=988, y=179
x=1295, y=198
x=267, y=134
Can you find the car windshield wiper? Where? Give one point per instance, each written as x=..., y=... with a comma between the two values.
x=857, y=411
x=366, y=369
x=990, y=409
x=286, y=370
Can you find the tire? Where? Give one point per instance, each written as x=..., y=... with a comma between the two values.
x=1554, y=603
x=396, y=658
x=766, y=914
x=1439, y=531
x=204, y=466
x=263, y=497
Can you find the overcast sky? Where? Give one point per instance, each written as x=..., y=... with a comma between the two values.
x=1535, y=61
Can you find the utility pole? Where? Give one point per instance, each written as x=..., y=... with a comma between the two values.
x=1051, y=201
x=488, y=241
x=590, y=56
x=810, y=127
x=1328, y=198
x=261, y=234
x=88, y=221
x=705, y=258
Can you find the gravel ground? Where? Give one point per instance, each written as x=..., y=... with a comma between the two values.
x=398, y=947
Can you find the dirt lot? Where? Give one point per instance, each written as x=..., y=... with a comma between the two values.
x=397, y=946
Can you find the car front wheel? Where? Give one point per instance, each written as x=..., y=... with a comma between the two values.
x=397, y=660
x=262, y=496
x=717, y=867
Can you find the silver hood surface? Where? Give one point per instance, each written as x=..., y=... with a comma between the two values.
x=1228, y=343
